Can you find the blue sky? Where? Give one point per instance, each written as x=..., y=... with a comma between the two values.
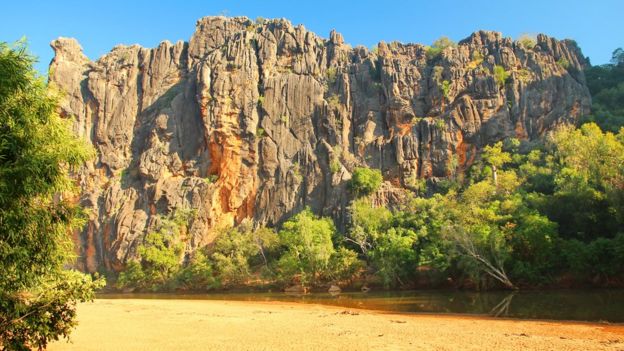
x=99, y=25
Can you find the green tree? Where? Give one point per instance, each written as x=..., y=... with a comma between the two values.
x=309, y=255
x=160, y=255
x=606, y=85
x=617, y=58
x=238, y=250
x=394, y=244
x=308, y=243
x=367, y=222
x=37, y=214
x=494, y=156
x=438, y=46
x=588, y=199
x=479, y=223
x=365, y=181
x=197, y=274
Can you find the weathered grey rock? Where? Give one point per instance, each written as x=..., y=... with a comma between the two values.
x=258, y=121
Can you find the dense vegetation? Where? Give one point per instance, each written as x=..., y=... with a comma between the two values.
x=606, y=85
x=546, y=213
x=37, y=148
x=543, y=214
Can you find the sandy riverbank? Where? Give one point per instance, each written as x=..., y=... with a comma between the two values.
x=237, y=325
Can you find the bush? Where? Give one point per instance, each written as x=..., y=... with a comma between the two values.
x=334, y=101
x=335, y=166
x=438, y=46
x=445, y=88
x=500, y=75
x=477, y=60
x=527, y=41
x=160, y=256
x=564, y=63
x=440, y=124
x=132, y=276
x=533, y=243
x=344, y=265
x=330, y=74
x=197, y=274
x=365, y=181
x=238, y=250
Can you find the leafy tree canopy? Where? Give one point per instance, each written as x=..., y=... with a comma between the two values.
x=37, y=213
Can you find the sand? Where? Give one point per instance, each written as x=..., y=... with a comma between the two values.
x=241, y=325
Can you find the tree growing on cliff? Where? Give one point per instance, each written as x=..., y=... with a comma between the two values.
x=365, y=181
x=37, y=150
x=438, y=46
x=500, y=75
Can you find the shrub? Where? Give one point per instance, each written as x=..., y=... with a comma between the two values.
x=237, y=250
x=563, y=63
x=132, y=275
x=436, y=74
x=330, y=74
x=334, y=101
x=500, y=75
x=335, y=166
x=344, y=265
x=438, y=46
x=527, y=41
x=477, y=60
x=440, y=124
x=211, y=178
x=524, y=75
x=393, y=255
x=197, y=274
x=160, y=255
x=334, y=163
x=365, y=181
x=445, y=88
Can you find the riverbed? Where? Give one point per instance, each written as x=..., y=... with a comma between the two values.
x=592, y=305
x=203, y=324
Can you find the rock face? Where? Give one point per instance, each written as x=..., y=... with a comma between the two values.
x=259, y=120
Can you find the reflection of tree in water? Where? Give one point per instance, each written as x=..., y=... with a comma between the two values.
x=502, y=309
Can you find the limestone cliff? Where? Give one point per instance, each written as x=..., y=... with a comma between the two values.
x=259, y=120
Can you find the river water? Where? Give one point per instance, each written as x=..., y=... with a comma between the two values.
x=579, y=305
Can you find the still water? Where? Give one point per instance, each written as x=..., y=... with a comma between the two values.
x=580, y=305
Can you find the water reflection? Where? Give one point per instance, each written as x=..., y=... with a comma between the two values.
x=586, y=305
